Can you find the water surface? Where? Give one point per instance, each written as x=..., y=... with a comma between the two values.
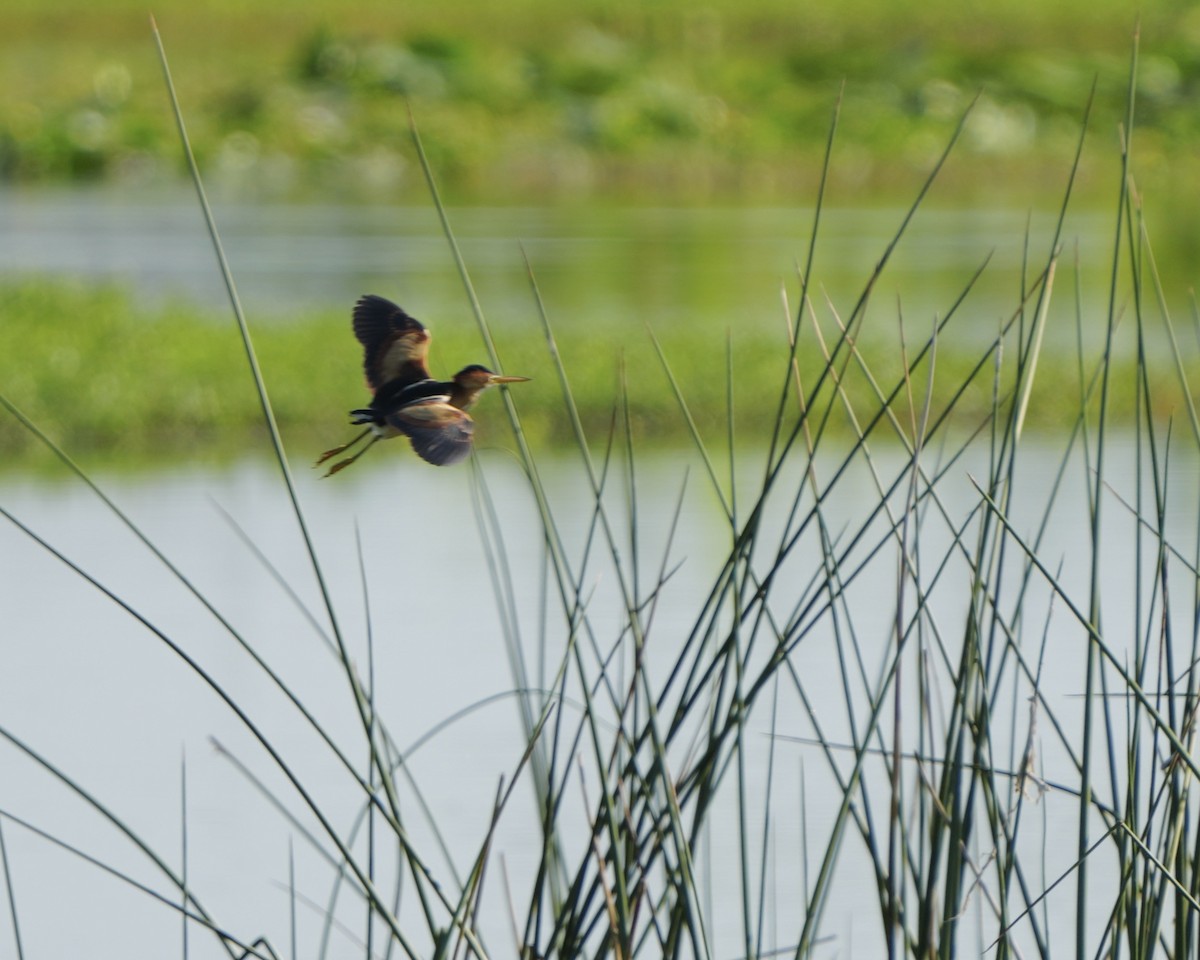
x=101, y=697
x=714, y=267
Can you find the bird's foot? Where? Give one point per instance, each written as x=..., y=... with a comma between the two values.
x=340, y=465
x=330, y=453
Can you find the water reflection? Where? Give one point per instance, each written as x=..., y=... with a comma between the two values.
x=596, y=265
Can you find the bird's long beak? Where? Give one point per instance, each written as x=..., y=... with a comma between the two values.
x=496, y=378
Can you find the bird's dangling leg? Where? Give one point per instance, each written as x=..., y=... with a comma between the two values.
x=343, y=464
x=336, y=450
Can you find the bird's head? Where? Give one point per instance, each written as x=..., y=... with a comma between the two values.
x=477, y=377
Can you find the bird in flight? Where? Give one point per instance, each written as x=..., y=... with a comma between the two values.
x=406, y=400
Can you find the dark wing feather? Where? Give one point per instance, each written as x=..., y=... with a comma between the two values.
x=396, y=394
x=394, y=344
x=440, y=434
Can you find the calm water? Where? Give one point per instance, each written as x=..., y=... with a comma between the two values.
x=98, y=695
x=103, y=699
x=715, y=267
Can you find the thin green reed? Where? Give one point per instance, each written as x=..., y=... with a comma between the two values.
x=1029, y=351
x=11, y=895
x=1085, y=793
x=183, y=848
x=794, y=328
x=1135, y=918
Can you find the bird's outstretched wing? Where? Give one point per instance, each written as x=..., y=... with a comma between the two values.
x=440, y=434
x=394, y=344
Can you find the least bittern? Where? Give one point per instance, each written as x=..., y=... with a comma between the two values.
x=406, y=400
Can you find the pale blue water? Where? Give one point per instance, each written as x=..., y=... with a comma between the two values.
x=102, y=698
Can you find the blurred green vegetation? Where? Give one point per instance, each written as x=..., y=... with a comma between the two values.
x=118, y=381
x=635, y=100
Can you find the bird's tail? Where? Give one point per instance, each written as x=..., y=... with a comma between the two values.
x=362, y=416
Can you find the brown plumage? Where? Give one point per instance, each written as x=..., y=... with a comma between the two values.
x=406, y=400
x=395, y=345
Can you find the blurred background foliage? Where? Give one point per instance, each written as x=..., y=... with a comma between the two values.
x=588, y=105
x=95, y=392
x=602, y=98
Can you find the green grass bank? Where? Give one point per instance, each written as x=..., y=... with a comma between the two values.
x=116, y=380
